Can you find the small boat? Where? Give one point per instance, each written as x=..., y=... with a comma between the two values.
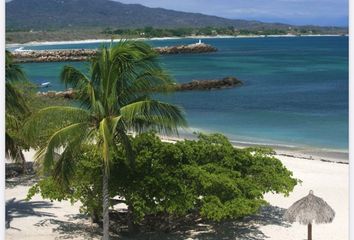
x=20, y=49
x=45, y=84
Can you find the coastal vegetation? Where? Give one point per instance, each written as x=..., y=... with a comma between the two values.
x=114, y=100
x=21, y=100
x=28, y=35
x=16, y=108
x=205, y=178
x=102, y=149
x=150, y=32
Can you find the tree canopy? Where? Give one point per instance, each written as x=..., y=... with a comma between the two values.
x=208, y=176
x=115, y=100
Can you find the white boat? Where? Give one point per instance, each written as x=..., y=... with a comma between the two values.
x=45, y=84
x=20, y=49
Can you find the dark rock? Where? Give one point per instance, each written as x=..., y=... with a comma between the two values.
x=16, y=169
x=227, y=82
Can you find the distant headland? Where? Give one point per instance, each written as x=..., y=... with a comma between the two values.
x=105, y=19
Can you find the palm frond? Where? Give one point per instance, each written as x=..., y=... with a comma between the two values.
x=14, y=100
x=152, y=114
x=146, y=82
x=74, y=77
x=123, y=138
x=13, y=72
x=80, y=82
x=64, y=166
x=11, y=121
x=48, y=120
x=71, y=135
x=12, y=150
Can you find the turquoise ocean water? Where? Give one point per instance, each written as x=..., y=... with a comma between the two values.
x=295, y=89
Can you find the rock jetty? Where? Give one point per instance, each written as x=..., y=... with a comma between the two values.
x=81, y=55
x=227, y=82
x=69, y=94
x=74, y=55
x=191, y=48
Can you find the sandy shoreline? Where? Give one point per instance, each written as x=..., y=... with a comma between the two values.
x=42, y=219
x=11, y=45
x=308, y=153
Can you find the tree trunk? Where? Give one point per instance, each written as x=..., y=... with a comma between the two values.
x=132, y=227
x=95, y=217
x=23, y=162
x=309, y=231
x=105, y=203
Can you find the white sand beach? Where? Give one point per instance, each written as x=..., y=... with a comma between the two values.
x=42, y=219
x=44, y=43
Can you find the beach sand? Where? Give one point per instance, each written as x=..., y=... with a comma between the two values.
x=108, y=40
x=42, y=219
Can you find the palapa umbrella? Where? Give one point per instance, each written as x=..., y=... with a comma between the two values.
x=310, y=209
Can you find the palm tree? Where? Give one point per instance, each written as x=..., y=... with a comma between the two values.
x=115, y=100
x=15, y=106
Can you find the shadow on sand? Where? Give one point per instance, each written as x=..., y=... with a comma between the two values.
x=22, y=180
x=245, y=229
x=22, y=208
x=79, y=226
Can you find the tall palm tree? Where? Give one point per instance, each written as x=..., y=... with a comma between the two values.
x=15, y=106
x=115, y=100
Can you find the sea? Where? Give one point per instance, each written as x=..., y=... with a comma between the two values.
x=295, y=92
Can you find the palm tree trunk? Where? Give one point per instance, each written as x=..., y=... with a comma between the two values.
x=105, y=203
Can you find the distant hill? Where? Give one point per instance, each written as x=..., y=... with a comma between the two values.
x=66, y=20
x=59, y=14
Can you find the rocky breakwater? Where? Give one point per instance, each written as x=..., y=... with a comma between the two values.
x=76, y=55
x=227, y=82
x=69, y=94
x=191, y=48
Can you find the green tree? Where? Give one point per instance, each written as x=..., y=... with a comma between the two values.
x=207, y=177
x=16, y=107
x=115, y=100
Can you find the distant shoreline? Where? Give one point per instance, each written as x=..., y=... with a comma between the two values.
x=308, y=153
x=44, y=43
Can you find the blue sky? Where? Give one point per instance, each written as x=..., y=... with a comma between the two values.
x=299, y=12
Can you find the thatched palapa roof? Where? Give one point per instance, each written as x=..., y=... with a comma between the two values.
x=310, y=209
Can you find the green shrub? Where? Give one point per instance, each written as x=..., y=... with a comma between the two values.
x=208, y=176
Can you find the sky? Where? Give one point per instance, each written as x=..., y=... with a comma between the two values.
x=297, y=12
